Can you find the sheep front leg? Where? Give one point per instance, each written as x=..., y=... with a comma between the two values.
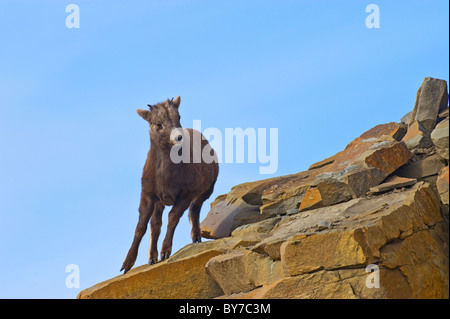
x=145, y=212
x=174, y=216
x=155, y=230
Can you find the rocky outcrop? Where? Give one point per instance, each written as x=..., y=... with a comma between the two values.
x=442, y=185
x=431, y=99
x=440, y=138
x=364, y=163
x=368, y=222
x=176, y=278
x=231, y=211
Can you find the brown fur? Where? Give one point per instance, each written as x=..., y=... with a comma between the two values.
x=182, y=185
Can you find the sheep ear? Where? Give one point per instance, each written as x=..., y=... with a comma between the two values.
x=176, y=101
x=144, y=114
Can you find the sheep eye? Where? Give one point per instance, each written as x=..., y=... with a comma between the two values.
x=159, y=126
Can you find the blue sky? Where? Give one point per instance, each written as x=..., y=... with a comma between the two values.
x=72, y=147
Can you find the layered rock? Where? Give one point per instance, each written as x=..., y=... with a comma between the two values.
x=440, y=138
x=442, y=185
x=230, y=211
x=417, y=136
x=403, y=234
x=170, y=279
x=391, y=183
x=364, y=163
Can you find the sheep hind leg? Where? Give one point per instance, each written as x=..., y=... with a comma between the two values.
x=194, y=219
x=194, y=215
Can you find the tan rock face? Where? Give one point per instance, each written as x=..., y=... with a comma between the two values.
x=337, y=250
x=394, y=130
x=440, y=137
x=322, y=163
x=230, y=211
x=424, y=167
x=243, y=270
x=337, y=284
x=312, y=200
x=364, y=163
x=184, y=278
x=389, y=158
x=225, y=216
x=421, y=252
x=286, y=193
x=417, y=136
x=442, y=185
x=392, y=182
x=403, y=234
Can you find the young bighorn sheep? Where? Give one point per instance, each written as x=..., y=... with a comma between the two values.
x=166, y=182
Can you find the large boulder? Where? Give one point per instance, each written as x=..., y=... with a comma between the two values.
x=392, y=182
x=181, y=276
x=440, y=138
x=432, y=98
x=417, y=136
x=422, y=167
x=229, y=211
x=184, y=278
x=243, y=270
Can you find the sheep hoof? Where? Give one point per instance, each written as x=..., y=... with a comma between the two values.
x=152, y=261
x=197, y=239
x=165, y=256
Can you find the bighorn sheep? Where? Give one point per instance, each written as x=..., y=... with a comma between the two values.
x=164, y=182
